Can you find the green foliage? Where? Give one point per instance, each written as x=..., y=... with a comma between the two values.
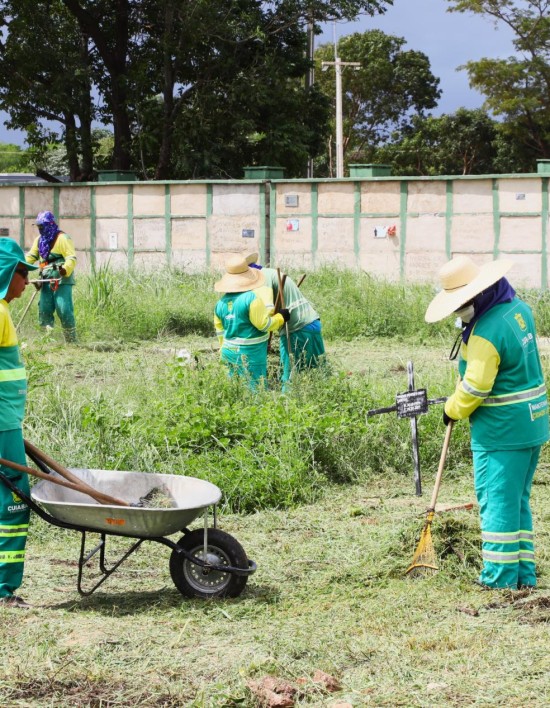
x=391, y=86
x=13, y=158
x=516, y=88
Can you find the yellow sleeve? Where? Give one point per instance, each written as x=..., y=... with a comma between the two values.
x=261, y=319
x=482, y=365
x=64, y=245
x=8, y=335
x=33, y=255
x=266, y=294
x=218, y=326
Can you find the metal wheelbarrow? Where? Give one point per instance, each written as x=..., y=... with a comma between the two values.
x=204, y=563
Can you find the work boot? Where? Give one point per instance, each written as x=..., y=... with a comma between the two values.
x=14, y=601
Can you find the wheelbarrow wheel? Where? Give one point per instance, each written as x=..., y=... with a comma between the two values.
x=195, y=581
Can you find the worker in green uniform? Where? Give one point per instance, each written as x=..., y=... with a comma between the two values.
x=14, y=514
x=242, y=322
x=502, y=392
x=307, y=347
x=55, y=253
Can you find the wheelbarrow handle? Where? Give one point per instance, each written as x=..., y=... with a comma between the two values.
x=38, y=456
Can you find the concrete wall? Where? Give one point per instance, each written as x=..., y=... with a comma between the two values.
x=395, y=228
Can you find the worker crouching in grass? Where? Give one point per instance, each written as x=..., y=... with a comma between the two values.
x=502, y=392
x=243, y=323
x=14, y=514
x=55, y=253
x=307, y=347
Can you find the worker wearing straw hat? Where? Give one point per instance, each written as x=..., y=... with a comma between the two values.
x=14, y=514
x=502, y=392
x=243, y=323
x=55, y=253
x=304, y=326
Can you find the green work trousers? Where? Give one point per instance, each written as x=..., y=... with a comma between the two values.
x=503, y=482
x=248, y=362
x=307, y=348
x=14, y=514
x=60, y=301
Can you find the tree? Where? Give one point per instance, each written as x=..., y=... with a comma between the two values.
x=380, y=99
x=517, y=88
x=44, y=76
x=13, y=159
x=461, y=143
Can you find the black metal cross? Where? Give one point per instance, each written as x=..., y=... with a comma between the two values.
x=409, y=405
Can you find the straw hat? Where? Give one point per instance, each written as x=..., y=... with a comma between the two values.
x=251, y=256
x=238, y=277
x=461, y=280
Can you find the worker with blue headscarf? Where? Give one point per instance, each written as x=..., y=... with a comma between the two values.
x=14, y=513
x=56, y=257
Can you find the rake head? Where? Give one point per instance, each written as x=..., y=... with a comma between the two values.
x=424, y=561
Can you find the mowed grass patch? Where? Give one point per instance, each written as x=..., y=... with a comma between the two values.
x=329, y=594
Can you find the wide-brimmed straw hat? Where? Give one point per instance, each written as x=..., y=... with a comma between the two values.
x=238, y=277
x=461, y=280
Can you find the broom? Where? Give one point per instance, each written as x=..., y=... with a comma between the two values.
x=424, y=561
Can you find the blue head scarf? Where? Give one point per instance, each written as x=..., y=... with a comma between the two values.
x=495, y=294
x=48, y=232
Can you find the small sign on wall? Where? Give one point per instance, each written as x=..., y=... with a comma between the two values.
x=113, y=240
x=291, y=200
x=4, y=232
x=248, y=233
x=293, y=225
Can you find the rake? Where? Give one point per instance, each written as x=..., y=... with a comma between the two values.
x=424, y=561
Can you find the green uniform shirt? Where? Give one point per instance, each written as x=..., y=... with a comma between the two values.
x=301, y=311
x=13, y=377
x=62, y=254
x=502, y=388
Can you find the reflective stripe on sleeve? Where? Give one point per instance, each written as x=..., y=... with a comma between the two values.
x=473, y=391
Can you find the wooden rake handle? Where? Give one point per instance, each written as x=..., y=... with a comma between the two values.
x=282, y=294
x=441, y=465
x=38, y=456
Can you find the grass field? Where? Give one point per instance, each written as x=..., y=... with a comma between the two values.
x=321, y=497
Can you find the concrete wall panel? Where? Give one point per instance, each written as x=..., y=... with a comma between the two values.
x=426, y=232
x=427, y=197
x=473, y=196
x=302, y=191
x=150, y=261
x=337, y=198
x=74, y=202
x=286, y=241
x=473, y=232
x=189, y=234
x=226, y=233
x=423, y=266
x=520, y=233
x=188, y=199
x=189, y=260
x=519, y=195
x=111, y=200
x=9, y=201
x=12, y=225
x=526, y=272
x=384, y=265
x=335, y=236
x=149, y=235
x=381, y=197
x=79, y=233
x=105, y=227
x=149, y=200
x=117, y=260
x=235, y=199
x=38, y=199
x=368, y=243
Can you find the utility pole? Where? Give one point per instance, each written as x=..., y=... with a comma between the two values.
x=338, y=64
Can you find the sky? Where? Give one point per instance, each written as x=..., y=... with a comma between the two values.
x=449, y=40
